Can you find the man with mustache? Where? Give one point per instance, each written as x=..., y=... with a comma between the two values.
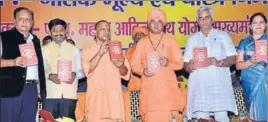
x=61, y=95
x=18, y=83
x=210, y=91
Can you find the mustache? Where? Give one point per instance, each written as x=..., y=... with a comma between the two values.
x=60, y=35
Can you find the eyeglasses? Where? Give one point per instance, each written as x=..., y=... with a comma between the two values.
x=202, y=19
x=26, y=20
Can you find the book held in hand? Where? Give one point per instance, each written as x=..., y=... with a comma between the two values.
x=153, y=62
x=200, y=56
x=64, y=70
x=27, y=50
x=261, y=50
x=115, y=50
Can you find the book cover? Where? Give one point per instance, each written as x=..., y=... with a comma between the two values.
x=115, y=50
x=200, y=56
x=27, y=50
x=261, y=50
x=64, y=70
x=153, y=62
x=46, y=116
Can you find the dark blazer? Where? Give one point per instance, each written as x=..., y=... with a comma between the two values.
x=12, y=79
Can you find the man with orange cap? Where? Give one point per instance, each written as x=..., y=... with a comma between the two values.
x=135, y=79
x=160, y=97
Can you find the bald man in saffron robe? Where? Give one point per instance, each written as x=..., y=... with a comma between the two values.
x=104, y=99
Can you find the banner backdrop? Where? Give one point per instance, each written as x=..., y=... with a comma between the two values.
x=230, y=16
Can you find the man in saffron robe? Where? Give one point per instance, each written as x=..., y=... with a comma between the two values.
x=104, y=98
x=160, y=97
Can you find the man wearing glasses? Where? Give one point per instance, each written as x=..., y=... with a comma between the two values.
x=19, y=81
x=210, y=91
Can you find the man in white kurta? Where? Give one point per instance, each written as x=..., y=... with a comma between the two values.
x=210, y=91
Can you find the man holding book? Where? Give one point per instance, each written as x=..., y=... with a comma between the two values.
x=208, y=55
x=21, y=68
x=62, y=62
x=104, y=65
x=156, y=58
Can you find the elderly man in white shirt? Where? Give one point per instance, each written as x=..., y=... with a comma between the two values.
x=210, y=91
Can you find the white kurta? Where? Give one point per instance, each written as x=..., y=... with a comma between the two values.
x=210, y=89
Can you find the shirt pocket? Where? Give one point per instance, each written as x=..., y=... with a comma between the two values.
x=217, y=50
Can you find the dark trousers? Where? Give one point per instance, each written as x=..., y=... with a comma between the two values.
x=60, y=107
x=21, y=108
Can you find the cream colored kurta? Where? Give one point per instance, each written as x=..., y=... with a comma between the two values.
x=51, y=54
x=104, y=102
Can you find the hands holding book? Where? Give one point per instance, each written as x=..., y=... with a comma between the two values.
x=154, y=62
x=19, y=61
x=214, y=61
x=253, y=60
x=117, y=56
x=28, y=52
x=260, y=52
x=116, y=53
x=148, y=73
x=163, y=62
x=118, y=62
x=104, y=48
x=209, y=61
x=55, y=78
x=72, y=79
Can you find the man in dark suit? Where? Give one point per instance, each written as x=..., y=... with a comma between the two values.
x=18, y=82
